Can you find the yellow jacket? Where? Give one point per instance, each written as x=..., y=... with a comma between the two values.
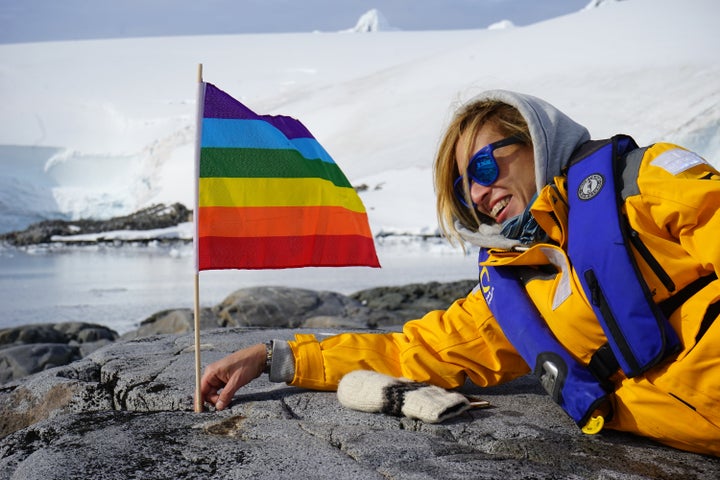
x=677, y=214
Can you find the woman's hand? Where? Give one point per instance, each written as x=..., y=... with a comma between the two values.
x=222, y=379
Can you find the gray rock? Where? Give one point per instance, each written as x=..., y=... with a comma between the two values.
x=87, y=348
x=283, y=307
x=31, y=348
x=354, y=322
x=65, y=332
x=22, y=360
x=39, y=333
x=173, y=321
x=126, y=412
x=156, y=216
x=264, y=307
x=81, y=332
x=395, y=305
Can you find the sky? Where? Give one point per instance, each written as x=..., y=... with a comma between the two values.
x=46, y=20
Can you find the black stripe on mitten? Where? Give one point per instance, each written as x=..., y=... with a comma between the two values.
x=369, y=391
x=394, y=396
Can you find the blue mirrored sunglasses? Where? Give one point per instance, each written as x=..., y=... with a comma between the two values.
x=482, y=167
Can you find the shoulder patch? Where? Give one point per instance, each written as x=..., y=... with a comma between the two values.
x=677, y=160
x=590, y=186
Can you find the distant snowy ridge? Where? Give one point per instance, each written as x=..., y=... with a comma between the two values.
x=600, y=3
x=182, y=232
x=502, y=24
x=369, y=22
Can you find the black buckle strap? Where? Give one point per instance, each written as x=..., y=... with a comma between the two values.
x=669, y=305
x=603, y=365
x=711, y=314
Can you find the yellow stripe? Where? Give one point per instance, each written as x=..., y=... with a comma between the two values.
x=276, y=192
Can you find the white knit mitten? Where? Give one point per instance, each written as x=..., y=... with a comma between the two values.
x=375, y=392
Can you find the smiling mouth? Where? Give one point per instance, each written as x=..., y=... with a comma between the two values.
x=499, y=206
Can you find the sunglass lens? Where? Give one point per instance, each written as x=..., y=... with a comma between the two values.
x=483, y=168
x=459, y=193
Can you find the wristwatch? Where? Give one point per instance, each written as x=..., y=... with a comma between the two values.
x=268, y=356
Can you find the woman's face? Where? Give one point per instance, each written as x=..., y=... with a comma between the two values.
x=515, y=186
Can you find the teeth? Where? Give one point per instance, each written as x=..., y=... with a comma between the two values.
x=499, y=206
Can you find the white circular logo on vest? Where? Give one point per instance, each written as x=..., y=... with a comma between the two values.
x=591, y=186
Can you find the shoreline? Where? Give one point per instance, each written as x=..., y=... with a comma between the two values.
x=31, y=348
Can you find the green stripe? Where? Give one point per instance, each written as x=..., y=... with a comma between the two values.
x=266, y=163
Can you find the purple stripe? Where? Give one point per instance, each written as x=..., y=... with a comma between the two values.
x=219, y=104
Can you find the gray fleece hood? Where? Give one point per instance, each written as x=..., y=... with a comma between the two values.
x=555, y=136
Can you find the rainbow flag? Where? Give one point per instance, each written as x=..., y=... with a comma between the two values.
x=270, y=196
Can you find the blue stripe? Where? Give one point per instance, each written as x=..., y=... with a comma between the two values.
x=241, y=133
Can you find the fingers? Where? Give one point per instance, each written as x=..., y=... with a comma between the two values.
x=210, y=384
x=212, y=381
x=227, y=393
x=223, y=378
x=242, y=376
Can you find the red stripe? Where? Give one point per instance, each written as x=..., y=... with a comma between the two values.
x=217, y=253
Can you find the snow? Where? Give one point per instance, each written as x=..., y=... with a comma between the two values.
x=104, y=127
x=371, y=21
x=501, y=24
x=183, y=231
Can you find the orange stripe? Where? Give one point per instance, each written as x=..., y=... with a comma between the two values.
x=280, y=221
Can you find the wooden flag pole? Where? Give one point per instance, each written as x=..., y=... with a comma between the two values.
x=198, y=125
x=198, y=397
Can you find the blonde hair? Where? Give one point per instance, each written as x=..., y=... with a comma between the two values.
x=470, y=118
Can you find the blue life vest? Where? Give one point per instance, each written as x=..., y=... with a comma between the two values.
x=639, y=334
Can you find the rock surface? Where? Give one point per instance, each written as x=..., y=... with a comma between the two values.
x=156, y=216
x=32, y=348
x=125, y=411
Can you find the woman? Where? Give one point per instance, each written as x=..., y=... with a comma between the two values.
x=501, y=177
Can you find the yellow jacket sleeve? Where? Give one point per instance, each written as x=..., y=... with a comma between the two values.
x=442, y=348
x=690, y=210
x=684, y=206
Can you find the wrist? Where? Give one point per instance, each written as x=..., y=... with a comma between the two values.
x=255, y=354
x=267, y=365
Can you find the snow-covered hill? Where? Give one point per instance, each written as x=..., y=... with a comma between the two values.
x=104, y=127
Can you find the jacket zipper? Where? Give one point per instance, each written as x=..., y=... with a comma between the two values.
x=598, y=299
